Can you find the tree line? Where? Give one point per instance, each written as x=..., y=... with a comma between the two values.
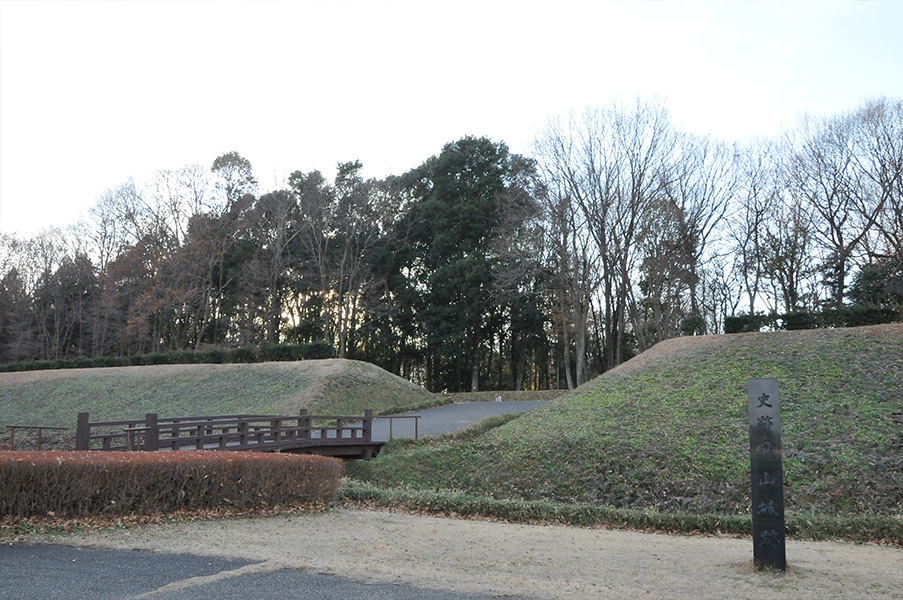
x=479, y=268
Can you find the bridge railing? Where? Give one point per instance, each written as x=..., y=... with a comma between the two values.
x=223, y=432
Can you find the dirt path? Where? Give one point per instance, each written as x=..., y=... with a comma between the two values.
x=531, y=561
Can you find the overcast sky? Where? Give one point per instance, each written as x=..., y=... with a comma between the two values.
x=92, y=93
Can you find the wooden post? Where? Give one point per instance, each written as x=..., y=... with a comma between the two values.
x=304, y=423
x=152, y=434
x=199, y=433
x=368, y=425
x=243, y=434
x=82, y=432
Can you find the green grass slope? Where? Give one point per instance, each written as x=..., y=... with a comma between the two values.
x=331, y=386
x=667, y=431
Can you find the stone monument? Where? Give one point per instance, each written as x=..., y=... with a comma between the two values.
x=766, y=474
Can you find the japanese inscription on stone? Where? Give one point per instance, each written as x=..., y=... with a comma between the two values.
x=767, y=475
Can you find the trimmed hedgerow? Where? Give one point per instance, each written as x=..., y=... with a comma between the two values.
x=318, y=350
x=242, y=355
x=264, y=353
x=83, y=484
x=848, y=316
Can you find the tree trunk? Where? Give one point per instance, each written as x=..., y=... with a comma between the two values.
x=475, y=363
x=566, y=344
x=580, y=318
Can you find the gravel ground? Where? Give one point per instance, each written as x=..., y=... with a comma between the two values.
x=532, y=561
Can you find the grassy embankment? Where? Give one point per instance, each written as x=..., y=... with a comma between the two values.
x=323, y=386
x=659, y=443
x=664, y=438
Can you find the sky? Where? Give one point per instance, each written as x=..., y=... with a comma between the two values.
x=93, y=93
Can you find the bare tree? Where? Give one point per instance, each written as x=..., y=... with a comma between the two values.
x=824, y=172
x=758, y=166
x=787, y=256
x=721, y=292
x=613, y=164
x=174, y=197
x=667, y=274
x=107, y=232
x=702, y=186
x=879, y=173
x=573, y=252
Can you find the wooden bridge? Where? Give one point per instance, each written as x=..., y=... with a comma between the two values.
x=344, y=436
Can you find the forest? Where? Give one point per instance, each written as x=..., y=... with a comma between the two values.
x=480, y=268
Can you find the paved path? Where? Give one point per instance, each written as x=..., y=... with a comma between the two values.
x=445, y=419
x=44, y=572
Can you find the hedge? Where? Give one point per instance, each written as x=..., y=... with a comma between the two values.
x=264, y=353
x=849, y=316
x=83, y=484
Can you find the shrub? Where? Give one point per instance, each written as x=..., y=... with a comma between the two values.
x=117, y=361
x=185, y=357
x=319, y=350
x=274, y=352
x=80, y=484
x=799, y=320
x=745, y=323
x=879, y=283
x=214, y=356
x=266, y=353
x=693, y=325
x=83, y=362
x=283, y=352
x=157, y=358
x=847, y=316
x=242, y=355
x=858, y=315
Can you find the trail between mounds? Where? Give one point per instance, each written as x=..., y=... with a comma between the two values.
x=533, y=561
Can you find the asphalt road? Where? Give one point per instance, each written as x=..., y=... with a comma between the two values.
x=446, y=419
x=47, y=572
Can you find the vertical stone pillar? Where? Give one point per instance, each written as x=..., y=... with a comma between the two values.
x=766, y=474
